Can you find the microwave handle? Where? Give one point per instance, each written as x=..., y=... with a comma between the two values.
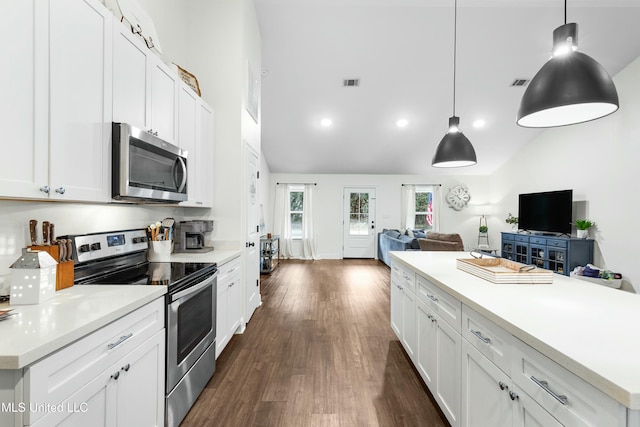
x=180, y=161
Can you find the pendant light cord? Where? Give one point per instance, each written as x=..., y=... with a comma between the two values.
x=455, y=35
x=565, y=12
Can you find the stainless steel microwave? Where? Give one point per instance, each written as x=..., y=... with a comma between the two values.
x=146, y=168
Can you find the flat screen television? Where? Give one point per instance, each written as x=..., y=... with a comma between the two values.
x=548, y=212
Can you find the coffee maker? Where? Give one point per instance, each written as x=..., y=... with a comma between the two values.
x=189, y=236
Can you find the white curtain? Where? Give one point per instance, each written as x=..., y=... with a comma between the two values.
x=281, y=219
x=408, y=210
x=437, y=205
x=308, y=224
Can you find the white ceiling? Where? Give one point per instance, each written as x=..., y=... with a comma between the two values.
x=402, y=50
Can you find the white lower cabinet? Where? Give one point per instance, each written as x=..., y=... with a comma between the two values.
x=126, y=394
x=228, y=305
x=112, y=377
x=481, y=375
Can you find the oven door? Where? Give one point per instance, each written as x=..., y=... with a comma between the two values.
x=191, y=327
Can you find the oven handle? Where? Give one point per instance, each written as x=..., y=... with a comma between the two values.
x=194, y=289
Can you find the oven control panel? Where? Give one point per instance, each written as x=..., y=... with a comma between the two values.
x=91, y=247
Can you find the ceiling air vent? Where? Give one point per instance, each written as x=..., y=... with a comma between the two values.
x=351, y=82
x=520, y=82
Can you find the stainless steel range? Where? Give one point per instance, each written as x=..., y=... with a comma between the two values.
x=120, y=257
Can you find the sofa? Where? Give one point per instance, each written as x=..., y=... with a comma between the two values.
x=441, y=242
x=397, y=240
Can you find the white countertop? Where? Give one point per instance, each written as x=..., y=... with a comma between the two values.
x=219, y=256
x=40, y=329
x=589, y=329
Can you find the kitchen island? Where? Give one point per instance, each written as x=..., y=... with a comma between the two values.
x=587, y=331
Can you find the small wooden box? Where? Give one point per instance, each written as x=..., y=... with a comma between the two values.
x=64, y=271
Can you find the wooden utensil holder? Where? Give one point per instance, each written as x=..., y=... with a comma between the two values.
x=64, y=269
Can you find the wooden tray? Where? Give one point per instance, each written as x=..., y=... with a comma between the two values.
x=500, y=270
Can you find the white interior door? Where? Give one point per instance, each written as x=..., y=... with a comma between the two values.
x=252, y=246
x=359, y=232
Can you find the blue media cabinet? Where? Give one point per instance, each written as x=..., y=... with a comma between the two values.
x=558, y=254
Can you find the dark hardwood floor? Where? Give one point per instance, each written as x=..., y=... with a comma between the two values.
x=318, y=352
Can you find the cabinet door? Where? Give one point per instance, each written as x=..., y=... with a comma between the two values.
x=131, y=90
x=164, y=93
x=24, y=100
x=448, y=353
x=235, y=308
x=80, y=100
x=425, y=346
x=485, y=388
x=409, y=322
x=93, y=405
x=205, y=156
x=187, y=130
x=222, y=308
x=396, y=308
x=141, y=384
x=527, y=413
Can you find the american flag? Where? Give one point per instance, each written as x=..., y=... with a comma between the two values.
x=430, y=209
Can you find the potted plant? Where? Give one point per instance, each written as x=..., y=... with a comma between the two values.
x=583, y=226
x=483, y=229
x=513, y=220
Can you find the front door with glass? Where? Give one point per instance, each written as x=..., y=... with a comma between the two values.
x=359, y=232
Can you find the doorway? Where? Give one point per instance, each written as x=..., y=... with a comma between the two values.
x=359, y=222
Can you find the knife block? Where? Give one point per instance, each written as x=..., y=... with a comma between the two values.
x=64, y=270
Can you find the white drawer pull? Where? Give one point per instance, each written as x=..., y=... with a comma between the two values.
x=545, y=386
x=120, y=341
x=480, y=337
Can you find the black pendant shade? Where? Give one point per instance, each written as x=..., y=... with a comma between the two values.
x=455, y=149
x=570, y=88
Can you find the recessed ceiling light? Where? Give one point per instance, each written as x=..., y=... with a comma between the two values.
x=402, y=123
x=326, y=122
x=479, y=123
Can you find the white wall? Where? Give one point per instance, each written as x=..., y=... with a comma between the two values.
x=599, y=161
x=328, y=199
x=264, y=185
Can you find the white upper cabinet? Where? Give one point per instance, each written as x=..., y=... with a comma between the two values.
x=204, y=189
x=145, y=89
x=80, y=100
x=56, y=100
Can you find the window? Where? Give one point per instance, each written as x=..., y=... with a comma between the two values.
x=359, y=214
x=296, y=200
x=424, y=208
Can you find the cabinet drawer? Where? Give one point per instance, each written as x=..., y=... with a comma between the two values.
x=403, y=276
x=507, y=237
x=447, y=307
x=521, y=238
x=556, y=243
x=569, y=398
x=489, y=338
x=228, y=269
x=56, y=377
x=538, y=240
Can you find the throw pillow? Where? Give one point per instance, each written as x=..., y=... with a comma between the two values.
x=409, y=233
x=419, y=234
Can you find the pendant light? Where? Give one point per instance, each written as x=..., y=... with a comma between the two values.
x=455, y=149
x=570, y=88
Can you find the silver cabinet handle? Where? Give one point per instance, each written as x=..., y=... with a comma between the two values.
x=513, y=396
x=432, y=298
x=116, y=375
x=502, y=385
x=545, y=386
x=480, y=337
x=120, y=341
x=126, y=367
x=60, y=190
x=45, y=189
